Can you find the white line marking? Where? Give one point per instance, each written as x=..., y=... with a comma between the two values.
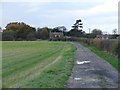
x=82, y=62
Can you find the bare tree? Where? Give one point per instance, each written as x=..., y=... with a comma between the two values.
x=114, y=31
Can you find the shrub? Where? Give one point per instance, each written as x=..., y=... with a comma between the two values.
x=110, y=46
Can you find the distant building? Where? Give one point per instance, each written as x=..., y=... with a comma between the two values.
x=118, y=37
x=103, y=37
x=56, y=35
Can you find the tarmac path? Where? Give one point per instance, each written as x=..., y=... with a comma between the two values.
x=91, y=71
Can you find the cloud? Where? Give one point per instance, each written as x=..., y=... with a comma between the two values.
x=107, y=7
x=26, y=0
x=100, y=6
x=30, y=7
x=1, y=14
x=94, y=13
x=82, y=1
x=32, y=10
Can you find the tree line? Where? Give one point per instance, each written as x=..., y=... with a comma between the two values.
x=17, y=31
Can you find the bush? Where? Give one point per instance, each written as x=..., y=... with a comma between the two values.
x=8, y=35
x=118, y=49
x=110, y=46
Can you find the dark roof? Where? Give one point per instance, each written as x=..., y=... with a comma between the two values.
x=105, y=35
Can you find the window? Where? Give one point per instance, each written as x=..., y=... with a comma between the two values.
x=55, y=35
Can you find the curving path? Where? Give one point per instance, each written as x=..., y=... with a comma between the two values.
x=90, y=71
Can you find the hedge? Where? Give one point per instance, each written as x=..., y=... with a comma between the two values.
x=110, y=46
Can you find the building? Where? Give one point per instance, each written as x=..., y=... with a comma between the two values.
x=102, y=37
x=56, y=35
x=0, y=29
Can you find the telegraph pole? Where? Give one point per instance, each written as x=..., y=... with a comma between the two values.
x=89, y=31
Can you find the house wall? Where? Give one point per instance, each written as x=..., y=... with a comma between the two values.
x=56, y=35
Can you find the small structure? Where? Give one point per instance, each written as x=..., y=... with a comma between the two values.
x=0, y=29
x=56, y=35
x=103, y=37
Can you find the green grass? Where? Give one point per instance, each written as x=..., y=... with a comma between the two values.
x=24, y=63
x=110, y=59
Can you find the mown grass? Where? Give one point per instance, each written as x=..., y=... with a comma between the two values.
x=110, y=59
x=24, y=59
x=56, y=75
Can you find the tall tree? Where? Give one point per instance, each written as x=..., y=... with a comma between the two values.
x=21, y=30
x=76, y=30
x=62, y=28
x=96, y=32
x=114, y=31
x=8, y=35
x=43, y=33
x=78, y=25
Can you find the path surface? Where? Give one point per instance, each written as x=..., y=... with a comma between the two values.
x=90, y=71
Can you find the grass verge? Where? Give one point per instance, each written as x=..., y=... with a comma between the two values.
x=110, y=59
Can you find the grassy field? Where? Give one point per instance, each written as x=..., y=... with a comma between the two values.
x=36, y=64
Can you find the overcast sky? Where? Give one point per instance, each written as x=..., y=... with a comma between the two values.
x=100, y=14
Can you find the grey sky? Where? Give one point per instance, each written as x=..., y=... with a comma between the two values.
x=100, y=14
